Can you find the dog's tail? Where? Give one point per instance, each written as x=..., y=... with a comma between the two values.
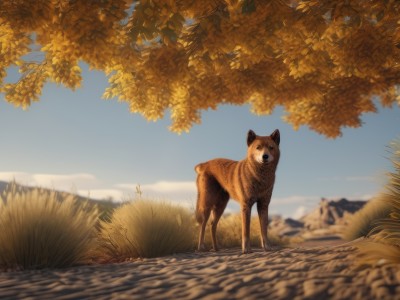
x=199, y=212
x=199, y=215
x=199, y=168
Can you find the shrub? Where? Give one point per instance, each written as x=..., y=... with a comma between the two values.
x=363, y=221
x=229, y=233
x=42, y=228
x=147, y=229
x=384, y=242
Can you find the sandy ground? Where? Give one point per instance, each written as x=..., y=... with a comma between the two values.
x=303, y=272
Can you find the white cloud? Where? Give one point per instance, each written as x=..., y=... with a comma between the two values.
x=300, y=212
x=182, y=193
x=295, y=199
x=168, y=190
x=172, y=186
x=102, y=194
x=163, y=186
x=20, y=177
x=63, y=181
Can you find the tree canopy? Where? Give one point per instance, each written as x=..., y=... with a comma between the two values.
x=325, y=61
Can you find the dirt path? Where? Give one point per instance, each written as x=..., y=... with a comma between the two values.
x=297, y=273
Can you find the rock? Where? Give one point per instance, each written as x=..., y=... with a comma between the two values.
x=331, y=212
x=325, y=220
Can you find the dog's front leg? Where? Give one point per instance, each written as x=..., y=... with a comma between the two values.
x=246, y=215
x=262, y=208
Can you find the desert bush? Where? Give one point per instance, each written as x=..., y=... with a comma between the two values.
x=383, y=244
x=41, y=228
x=146, y=228
x=363, y=221
x=229, y=233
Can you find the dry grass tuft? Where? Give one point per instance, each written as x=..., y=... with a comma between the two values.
x=372, y=252
x=363, y=221
x=384, y=239
x=147, y=229
x=43, y=229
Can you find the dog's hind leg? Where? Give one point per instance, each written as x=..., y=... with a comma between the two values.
x=217, y=212
x=205, y=216
x=203, y=207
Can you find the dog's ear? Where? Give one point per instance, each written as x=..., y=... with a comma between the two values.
x=251, y=136
x=276, y=137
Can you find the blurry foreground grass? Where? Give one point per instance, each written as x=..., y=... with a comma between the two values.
x=383, y=242
x=40, y=229
x=364, y=220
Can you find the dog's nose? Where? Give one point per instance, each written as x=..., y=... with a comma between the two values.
x=265, y=157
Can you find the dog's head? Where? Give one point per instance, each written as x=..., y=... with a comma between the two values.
x=263, y=149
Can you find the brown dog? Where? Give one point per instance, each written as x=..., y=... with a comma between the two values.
x=248, y=181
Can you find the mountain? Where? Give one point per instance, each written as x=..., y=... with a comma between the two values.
x=331, y=212
x=328, y=217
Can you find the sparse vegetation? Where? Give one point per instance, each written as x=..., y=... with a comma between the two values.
x=383, y=244
x=42, y=228
x=146, y=228
x=48, y=229
x=229, y=233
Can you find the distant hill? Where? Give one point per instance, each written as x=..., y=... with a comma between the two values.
x=329, y=217
x=105, y=207
x=331, y=212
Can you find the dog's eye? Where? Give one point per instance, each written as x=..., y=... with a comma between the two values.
x=259, y=147
x=271, y=147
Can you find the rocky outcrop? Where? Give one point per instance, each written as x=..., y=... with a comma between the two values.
x=331, y=212
x=329, y=216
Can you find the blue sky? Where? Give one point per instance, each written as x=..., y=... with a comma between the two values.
x=75, y=141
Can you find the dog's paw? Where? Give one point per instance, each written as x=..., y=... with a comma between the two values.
x=246, y=251
x=268, y=248
x=201, y=248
